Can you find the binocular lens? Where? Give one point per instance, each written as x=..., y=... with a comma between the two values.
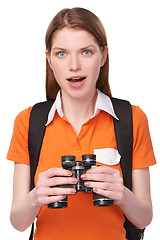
x=60, y=204
x=101, y=201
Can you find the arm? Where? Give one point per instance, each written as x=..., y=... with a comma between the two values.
x=26, y=204
x=23, y=212
x=136, y=205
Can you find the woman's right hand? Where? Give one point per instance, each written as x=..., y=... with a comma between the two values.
x=47, y=190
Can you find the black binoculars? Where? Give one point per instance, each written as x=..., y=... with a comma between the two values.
x=78, y=168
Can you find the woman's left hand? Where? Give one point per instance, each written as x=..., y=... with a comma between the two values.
x=136, y=205
x=105, y=181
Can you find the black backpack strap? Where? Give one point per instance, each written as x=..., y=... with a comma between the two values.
x=32, y=232
x=124, y=137
x=38, y=119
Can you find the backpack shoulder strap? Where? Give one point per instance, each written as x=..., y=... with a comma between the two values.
x=37, y=121
x=124, y=136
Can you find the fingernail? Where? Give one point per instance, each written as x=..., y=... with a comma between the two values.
x=86, y=183
x=95, y=189
x=73, y=191
x=83, y=176
x=74, y=180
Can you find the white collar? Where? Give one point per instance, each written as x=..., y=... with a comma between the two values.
x=103, y=103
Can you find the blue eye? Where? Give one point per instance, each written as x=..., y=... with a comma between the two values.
x=61, y=54
x=87, y=52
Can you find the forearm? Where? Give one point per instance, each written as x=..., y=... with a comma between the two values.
x=137, y=210
x=24, y=212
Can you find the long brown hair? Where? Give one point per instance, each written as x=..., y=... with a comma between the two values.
x=83, y=19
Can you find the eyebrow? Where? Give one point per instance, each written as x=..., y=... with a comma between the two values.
x=63, y=49
x=58, y=48
x=89, y=46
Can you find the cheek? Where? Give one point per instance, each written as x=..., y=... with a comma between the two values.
x=95, y=68
x=57, y=70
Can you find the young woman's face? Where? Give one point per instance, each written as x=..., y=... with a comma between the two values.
x=76, y=59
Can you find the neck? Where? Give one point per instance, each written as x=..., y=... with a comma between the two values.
x=78, y=111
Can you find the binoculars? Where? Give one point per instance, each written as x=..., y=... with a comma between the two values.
x=78, y=168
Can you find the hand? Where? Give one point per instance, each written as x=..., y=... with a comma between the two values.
x=46, y=191
x=105, y=181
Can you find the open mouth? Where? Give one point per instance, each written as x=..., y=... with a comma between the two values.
x=76, y=79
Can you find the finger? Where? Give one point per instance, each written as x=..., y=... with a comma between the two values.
x=61, y=191
x=100, y=178
x=55, y=172
x=103, y=169
x=105, y=186
x=55, y=191
x=109, y=194
x=55, y=181
x=48, y=200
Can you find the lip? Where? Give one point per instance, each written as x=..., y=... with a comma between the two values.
x=76, y=81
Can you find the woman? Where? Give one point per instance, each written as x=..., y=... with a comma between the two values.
x=80, y=122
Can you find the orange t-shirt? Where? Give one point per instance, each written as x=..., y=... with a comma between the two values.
x=81, y=219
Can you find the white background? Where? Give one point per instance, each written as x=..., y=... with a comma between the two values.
x=133, y=31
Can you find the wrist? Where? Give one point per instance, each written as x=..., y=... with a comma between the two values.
x=34, y=203
x=122, y=201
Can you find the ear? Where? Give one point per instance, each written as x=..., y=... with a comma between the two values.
x=48, y=56
x=104, y=56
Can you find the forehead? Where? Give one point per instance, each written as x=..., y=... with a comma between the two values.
x=72, y=38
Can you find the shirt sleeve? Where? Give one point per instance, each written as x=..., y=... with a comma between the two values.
x=143, y=154
x=18, y=150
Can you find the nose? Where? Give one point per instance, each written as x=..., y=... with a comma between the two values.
x=74, y=63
